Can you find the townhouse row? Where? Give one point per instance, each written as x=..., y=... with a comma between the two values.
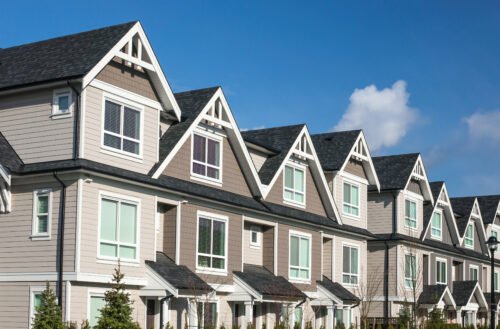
x=101, y=165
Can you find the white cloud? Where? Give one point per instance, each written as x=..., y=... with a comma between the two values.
x=484, y=125
x=384, y=115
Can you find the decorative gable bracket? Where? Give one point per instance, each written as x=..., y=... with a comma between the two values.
x=5, y=191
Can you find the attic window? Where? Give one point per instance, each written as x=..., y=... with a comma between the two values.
x=469, y=236
x=418, y=171
x=61, y=103
x=294, y=185
x=360, y=150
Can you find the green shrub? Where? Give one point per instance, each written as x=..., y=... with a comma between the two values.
x=309, y=325
x=85, y=324
x=168, y=326
x=236, y=326
x=264, y=325
x=379, y=326
x=296, y=325
x=390, y=327
x=250, y=325
x=48, y=314
x=72, y=325
x=221, y=327
x=342, y=325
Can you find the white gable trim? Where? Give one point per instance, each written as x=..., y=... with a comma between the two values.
x=162, y=87
x=479, y=223
x=480, y=296
x=427, y=190
x=5, y=192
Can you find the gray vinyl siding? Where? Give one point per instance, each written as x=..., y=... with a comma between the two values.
x=258, y=158
x=327, y=257
x=25, y=121
x=168, y=243
x=380, y=212
x=339, y=200
x=414, y=186
x=445, y=230
x=339, y=242
x=356, y=168
x=18, y=252
x=433, y=269
x=268, y=248
x=252, y=254
x=401, y=216
x=376, y=265
x=468, y=264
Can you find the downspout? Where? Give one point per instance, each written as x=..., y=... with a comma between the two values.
x=386, y=283
x=76, y=131
x=163, y=300
x=61, y=239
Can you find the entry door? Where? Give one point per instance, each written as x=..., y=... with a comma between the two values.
x=150, y=314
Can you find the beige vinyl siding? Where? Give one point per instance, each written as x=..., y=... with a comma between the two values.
x=166, y=240
x=445, y=230
x=25, y=121
x=258, y=158
x=178, y=308
x=468, y=263
x=375, y=264
x=356, y=168
x=402, y=290
x=232, y=176
x=380, y=212
x=433, y=269
x=268, y=248
x=252, y=254
x=414, y=186
x=339, y=200
x=478, y=238
x=94, y=107
x=401, y=215
x=327, y=257
x=340, y=241
x=18, y=253
x=90, y=226
x=313, y=199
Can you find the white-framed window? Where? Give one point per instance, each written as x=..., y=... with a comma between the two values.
x=122, y=127
x=351, y=199
x=294, y=184
x=437, y=225
x=42, y=214
x=441, y=271
x=350, y=264
x=300, y=256
x=255, y=236
x=410, y=270
x=61, y=103
x=410, y=214
x=469, y=236
x=207, y=311
x=211, y=242
x=35, y=302
x=473, y=272
x=495, y=234
x=206, y=157
x=96, y=303
x=495, y=282
x=119, y=227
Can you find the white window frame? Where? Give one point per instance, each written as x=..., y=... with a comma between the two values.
x=34, y=226
x=471, y=268
x=214, y=137
x=350, y=245
x=34, y=290
x=56, y=114
x=300, y=235
x=133, y=105
x=220, y=218
x=440, y=261
x=471, y=224
x=258, y=231
x=406, y=253
x=498, y=281
x=295, y=166
x=416, y=213
x=493, y=231
x=94, y=292
x=351, y=183
x=440, y=229
x=114, y=260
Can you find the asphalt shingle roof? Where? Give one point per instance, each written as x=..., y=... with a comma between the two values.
x=8, y=157
x=338, y=290
x=462, y=207
x=489, y=206
x=267, y=284
x=280, y=139
x=178, y=276
x=394, y=171
x=66, y=57
x=431, y=294
x=333, y=148
x=462, y=291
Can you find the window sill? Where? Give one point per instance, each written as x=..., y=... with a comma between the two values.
x=350, y=216
x=132, y=263
x=295, y=204
x=350, y=285
x=57, y=116
x=255, y=246
x=117, y=153
x=438, y=238
x=210, y=271
x=39, y=237
x=206, y=180
x=293, y=280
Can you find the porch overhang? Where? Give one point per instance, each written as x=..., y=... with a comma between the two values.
x=438, y=296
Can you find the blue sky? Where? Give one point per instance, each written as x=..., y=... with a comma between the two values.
x=432, y=66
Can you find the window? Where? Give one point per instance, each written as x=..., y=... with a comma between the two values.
x=298, y=316
x=436, y=225
x=351, y=199
x=350, y=265
x=469, y=236
x=441, y=271
x=97, y=303
x=118, y=229
x=61, y=103
x=41, y=213
x=410, y=270
x=255, y=236
x=495, y=282
x=208, y=313
x=300, y=255
x=206, y=157
x=495, y=234
x=122, y=128
x=35, y=301
x=211, y=242
x=473, y=273
x=410, y=214
x=294, y=185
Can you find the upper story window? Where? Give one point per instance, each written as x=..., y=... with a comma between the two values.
x=469, y=236
x=212, y=245
x=351, y=199
x=410, y=270
x=294, y=185
x=61, y=103
x=42, y=208
x=122, y=128
x=441, y=271
x=350, y=264
x=410, y=214
x=436, y=225
x=473, y=273
x=255, y=236
x=300, y=256
x=118, y=229
x=206, y=158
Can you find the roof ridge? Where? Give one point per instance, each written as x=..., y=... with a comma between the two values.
x=396, y=155
x=193, y=90
x=338, y=132
x=278, y=127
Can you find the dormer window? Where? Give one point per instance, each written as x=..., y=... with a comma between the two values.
x=436, y=225
x=206, y=158
x=61, y=103
x=351, y=199
x=469, y=236
x=122, y=128
x=294, y=185
x=410, y=214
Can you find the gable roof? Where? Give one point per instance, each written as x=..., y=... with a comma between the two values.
x=463, y=291
x=463, y=208
x=66, y=57
x=338, y=290
x=394, y=171
x=9, y=159
x=489, y=207
x=333, y=148
x=433, y=294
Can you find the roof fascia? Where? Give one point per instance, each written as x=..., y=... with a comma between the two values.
x=449, y=294
x=329, y=294
x=427, y=191
x=481, y=295
x=152, y=273
x=243, y=285
x=40, y=85
x=5, y=174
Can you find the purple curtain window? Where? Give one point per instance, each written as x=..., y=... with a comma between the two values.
x=199, y=148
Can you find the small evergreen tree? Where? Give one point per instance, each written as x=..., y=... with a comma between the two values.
x=117, y=314
x=85, y=324
x=48, y=314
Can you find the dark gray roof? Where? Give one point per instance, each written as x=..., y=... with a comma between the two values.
x=8, y=157
x=280, y=139
x=487, y=296
x=333, y=148
x=394, y=171
x=463, y=208
x=191, y=104
x=436, y=189
x=489, y=206
x=66, y=57
x=338, y=290
x=267, y=284
x=178, y=276
x=431, y=294
x=462, y=291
